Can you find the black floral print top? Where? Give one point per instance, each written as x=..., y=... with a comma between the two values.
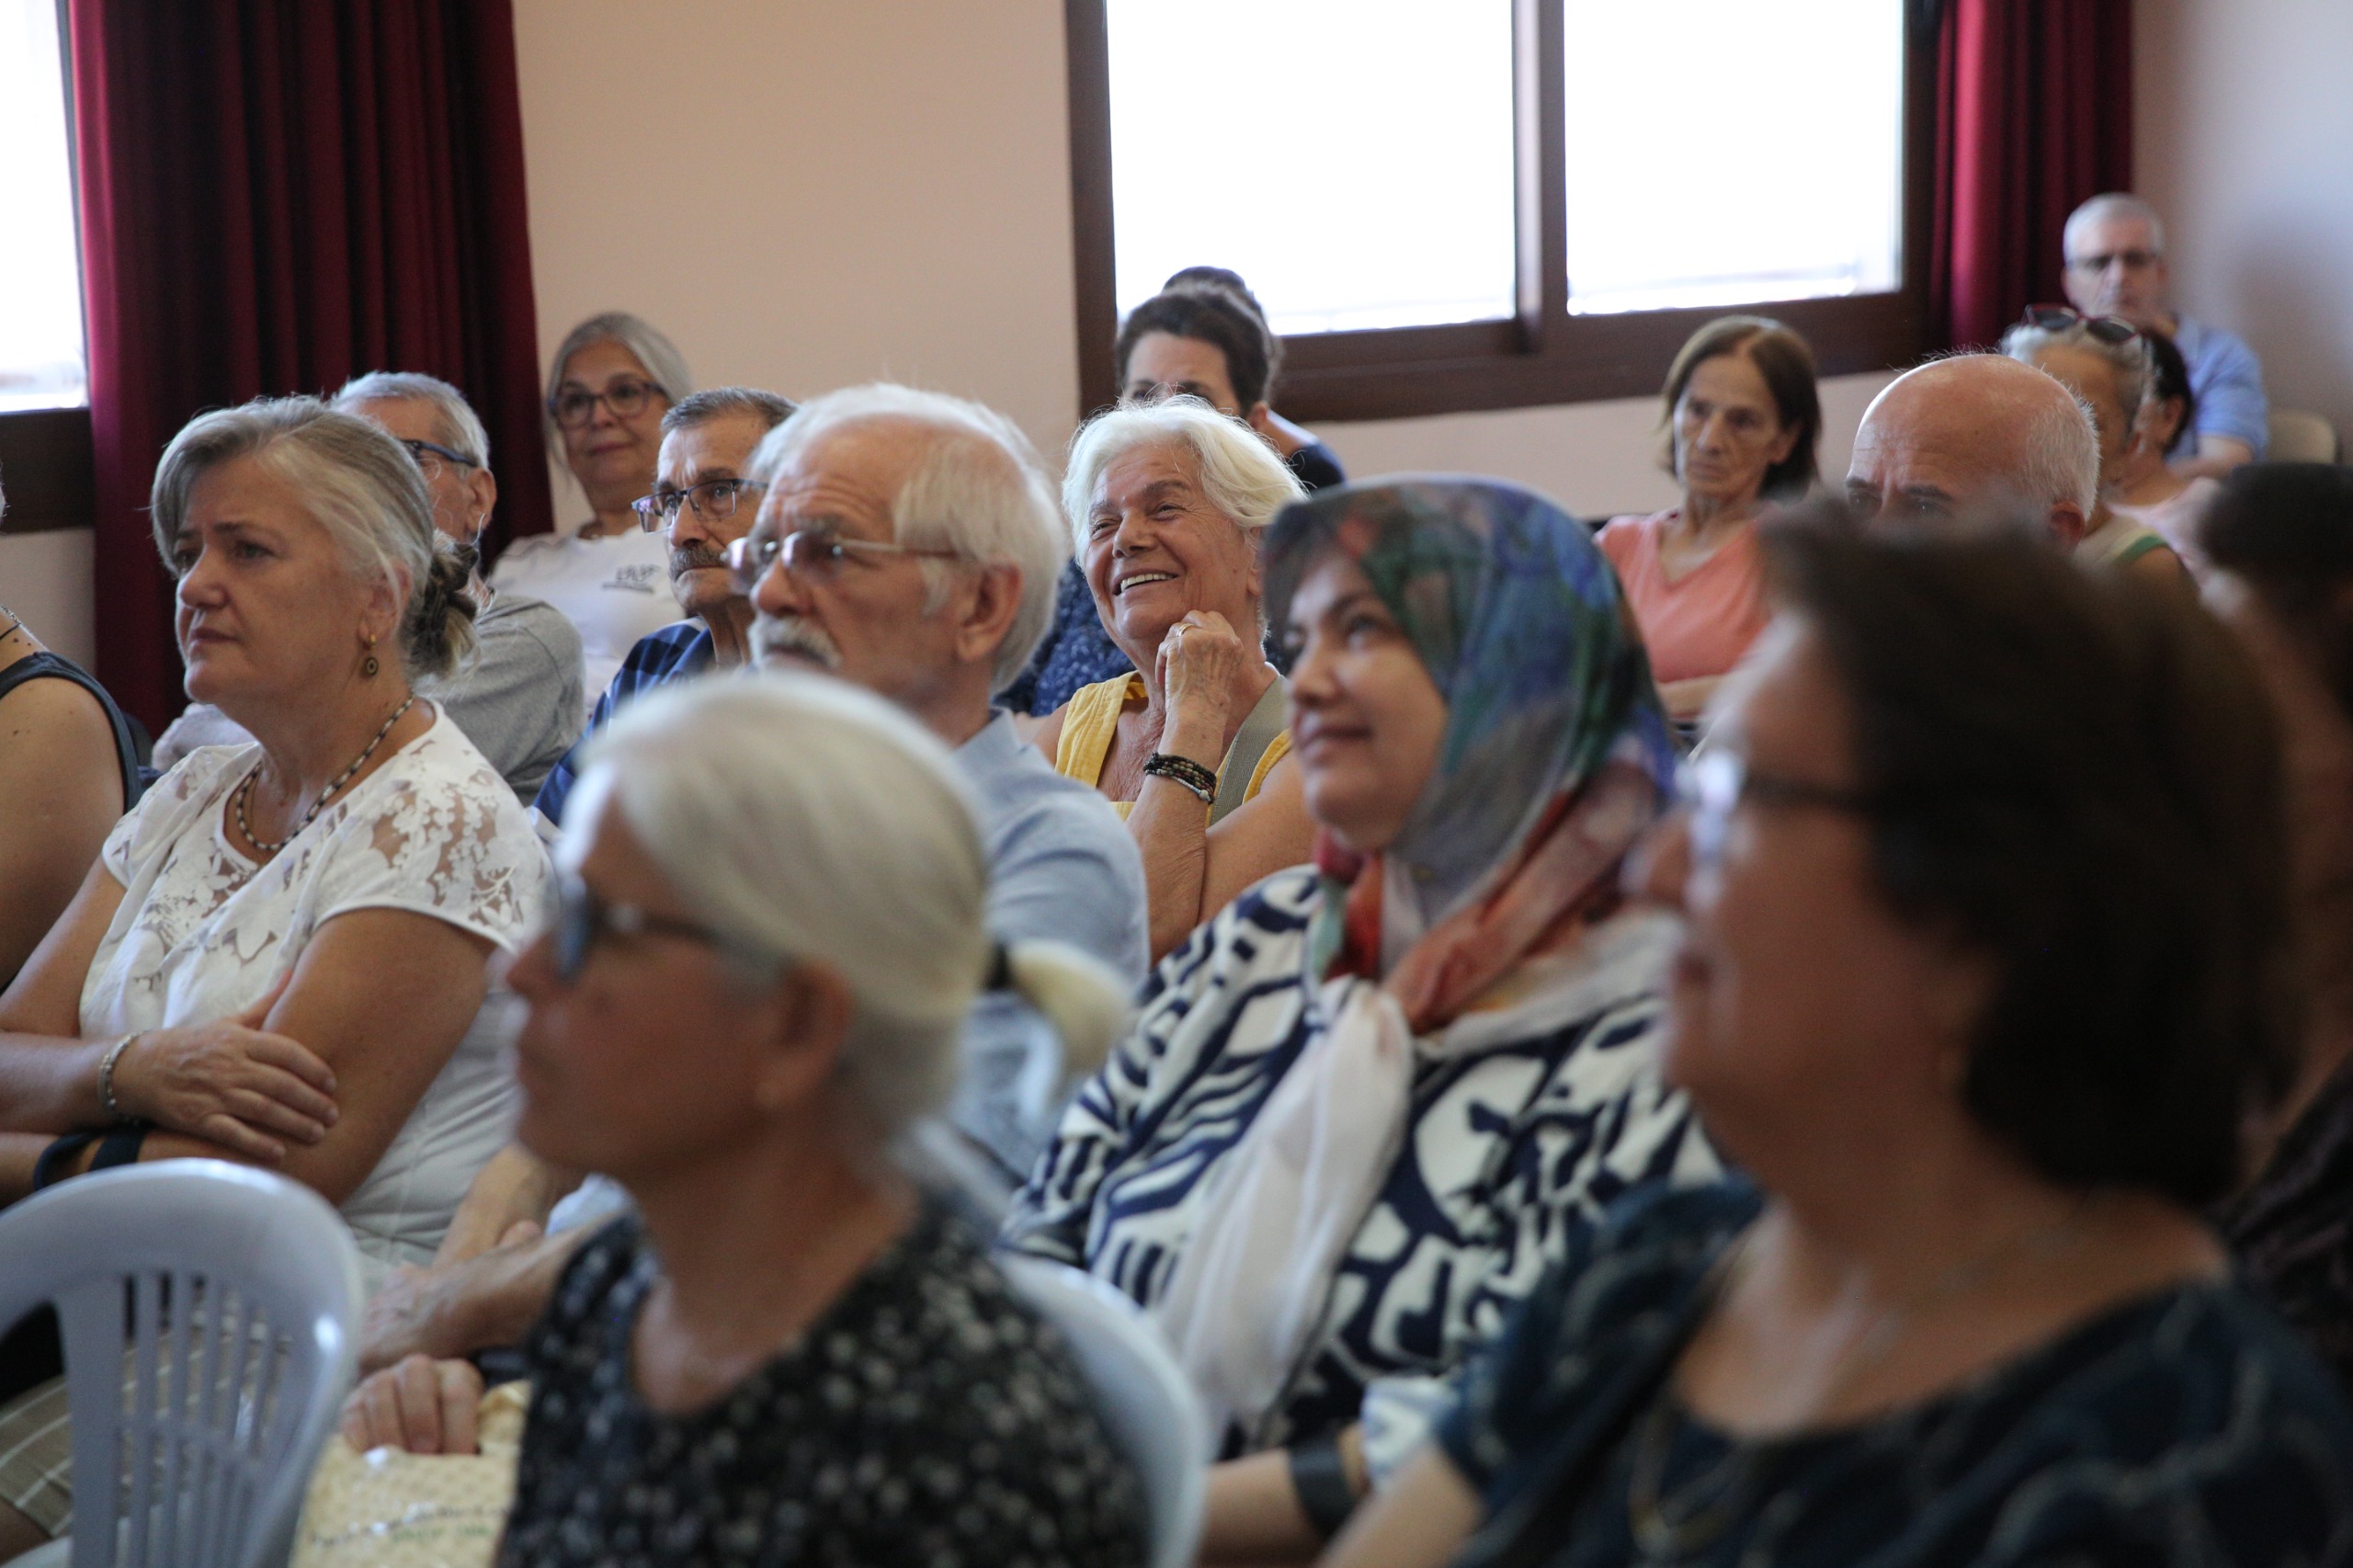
x=2185, y=1427
x=928, y=1419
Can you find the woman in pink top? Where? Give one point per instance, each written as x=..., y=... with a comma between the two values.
x=1743, y=419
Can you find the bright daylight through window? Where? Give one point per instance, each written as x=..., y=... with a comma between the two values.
x=1350, y=158
x=40, y=273
x=1353, y=159
x=1722, y=151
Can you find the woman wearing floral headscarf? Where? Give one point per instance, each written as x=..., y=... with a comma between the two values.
x=1362, y=1106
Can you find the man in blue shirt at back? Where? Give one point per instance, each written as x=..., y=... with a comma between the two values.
x=2116, y=267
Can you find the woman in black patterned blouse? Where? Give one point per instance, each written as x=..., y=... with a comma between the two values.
x=1985, y=970
x=769, y=930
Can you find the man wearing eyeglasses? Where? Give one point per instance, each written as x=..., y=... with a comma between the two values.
x=2116, y=267
x=703, y=500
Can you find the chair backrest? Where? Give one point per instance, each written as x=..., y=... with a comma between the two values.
x=2299, y=435
x=1145, y=1398
x=208, y=1314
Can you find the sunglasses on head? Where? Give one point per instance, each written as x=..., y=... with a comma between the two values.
x=2111, y=330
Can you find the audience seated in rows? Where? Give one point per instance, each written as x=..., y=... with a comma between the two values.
x=517, y=697
x=772, y=917
x=702, y=501
x=2280, y=542
x=905, y=543
x=1204, y=336
x=281, y=954
x=2115, y=265
x=68, y=769
x=1743, y=421
x=1366, y=1105
x=1982, y=888
x=2149, y=490
x=611, y=380
x=1166, y=503
x=2106, y=364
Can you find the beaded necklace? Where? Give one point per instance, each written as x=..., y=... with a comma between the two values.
x=246, y=788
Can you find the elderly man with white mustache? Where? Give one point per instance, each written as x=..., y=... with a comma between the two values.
x=907, y=542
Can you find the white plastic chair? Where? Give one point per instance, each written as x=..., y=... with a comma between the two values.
x=218, y=1303
x=1143, y=1394
x=2301, y=435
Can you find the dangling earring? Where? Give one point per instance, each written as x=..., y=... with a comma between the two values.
x=368, y=666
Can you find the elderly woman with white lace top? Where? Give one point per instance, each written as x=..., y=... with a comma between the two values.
x=282, y=954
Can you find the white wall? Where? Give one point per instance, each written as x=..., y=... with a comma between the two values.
x=45, y=577
x=2243, y=135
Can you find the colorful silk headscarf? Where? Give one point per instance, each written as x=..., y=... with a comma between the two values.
x=1520, y=622
x=1555, y=757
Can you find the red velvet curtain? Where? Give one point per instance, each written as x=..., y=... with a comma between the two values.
x=2034, y=115
x=276, y=194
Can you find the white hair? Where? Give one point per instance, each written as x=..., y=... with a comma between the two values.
x=1241, y=474
x=2113, y=204
x=807, y=821
x=357, y=482
x=662, y=362
x=2130, y=359
x=2058, y=461
x=455, y=424
x=977, y=487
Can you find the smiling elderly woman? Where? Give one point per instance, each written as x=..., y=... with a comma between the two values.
x=771, y=928
x=1447, y=1008
x=312, y=911
x=1165, y=504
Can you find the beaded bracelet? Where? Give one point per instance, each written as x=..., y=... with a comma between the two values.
x=1186, y=771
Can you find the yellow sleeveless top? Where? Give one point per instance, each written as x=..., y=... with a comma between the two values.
x=1094, y=718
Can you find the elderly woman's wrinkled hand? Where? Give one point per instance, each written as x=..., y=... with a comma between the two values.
x=421, y=1405
x=231, y=1082
x=1201, y=661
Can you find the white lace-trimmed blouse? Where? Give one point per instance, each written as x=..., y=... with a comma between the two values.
x=203, y=934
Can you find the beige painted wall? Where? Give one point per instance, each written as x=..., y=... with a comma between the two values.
x=2244, y=138
x=884, y=185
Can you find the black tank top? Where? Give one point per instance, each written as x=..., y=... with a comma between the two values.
x=37, y=666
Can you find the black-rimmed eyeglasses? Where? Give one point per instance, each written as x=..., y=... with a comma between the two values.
x=712, y=500
x=581, y=918
x=575, y=407
x=431, y=455
x=1714, y=784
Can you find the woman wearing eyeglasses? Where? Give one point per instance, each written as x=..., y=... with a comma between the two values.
x=771, y=932
x=1366, y=1106
x=1984, y=972
x=608, y=385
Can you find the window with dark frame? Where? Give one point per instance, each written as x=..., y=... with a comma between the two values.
x=1513, y=306
x=45, y=458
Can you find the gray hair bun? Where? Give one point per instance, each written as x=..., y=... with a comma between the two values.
x=439, y=636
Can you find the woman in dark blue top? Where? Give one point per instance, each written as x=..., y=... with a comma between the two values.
x=1984, y=970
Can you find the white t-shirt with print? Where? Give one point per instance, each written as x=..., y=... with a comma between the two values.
x=203, y=934
x=614, y=589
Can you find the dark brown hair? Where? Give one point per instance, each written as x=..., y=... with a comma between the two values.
x=2286, y=530
x=1211, y=306
x=1785, y=362
x=2081, y=780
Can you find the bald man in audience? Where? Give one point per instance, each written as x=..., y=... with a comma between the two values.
x=1976, y=435
x=2116, y=267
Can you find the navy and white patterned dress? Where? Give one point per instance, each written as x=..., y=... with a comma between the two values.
x=2186, y=1429
x=926, y=1418
x=1505, y=1151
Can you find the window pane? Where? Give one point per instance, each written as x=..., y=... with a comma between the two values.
x=41, y=271
x=1722, y=151
x=1352, y=159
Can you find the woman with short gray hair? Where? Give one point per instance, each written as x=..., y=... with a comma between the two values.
x=611, y=379
x=769, y=929
x=282, y=955
x=1166, y=503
